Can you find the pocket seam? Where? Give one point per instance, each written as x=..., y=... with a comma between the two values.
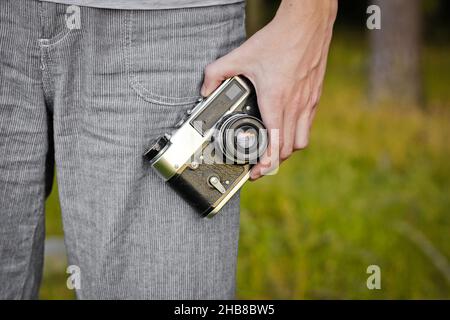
x=55, y=40
x=145, y=94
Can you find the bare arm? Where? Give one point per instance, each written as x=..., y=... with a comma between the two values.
x=286, y=62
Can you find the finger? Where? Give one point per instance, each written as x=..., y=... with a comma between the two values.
x=289, y=125
x=304, y=122
x=302, y=131
x=273, y=122
x=297, y=105
x=217, y=72
x=270, y=161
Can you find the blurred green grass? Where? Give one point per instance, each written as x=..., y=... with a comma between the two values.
x=343, y=204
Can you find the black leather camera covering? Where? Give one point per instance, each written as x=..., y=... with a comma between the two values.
x=193, y=185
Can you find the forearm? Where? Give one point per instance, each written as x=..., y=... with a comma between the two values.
x=295, y=12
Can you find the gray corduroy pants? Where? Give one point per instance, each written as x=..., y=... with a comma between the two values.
x=88, y=100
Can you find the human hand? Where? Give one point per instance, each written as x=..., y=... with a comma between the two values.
x=286, y=62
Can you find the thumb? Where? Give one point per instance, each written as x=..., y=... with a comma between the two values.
x=217, y=72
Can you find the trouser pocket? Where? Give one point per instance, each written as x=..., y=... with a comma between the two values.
x=167, y=50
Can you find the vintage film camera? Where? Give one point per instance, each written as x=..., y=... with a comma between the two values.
x=210, y=154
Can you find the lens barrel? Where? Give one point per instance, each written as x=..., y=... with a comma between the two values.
x=241, y=138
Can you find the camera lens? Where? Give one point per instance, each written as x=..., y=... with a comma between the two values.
x=246, y=137
x=242, y=138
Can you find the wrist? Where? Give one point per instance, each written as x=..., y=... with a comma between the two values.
x=294, y=12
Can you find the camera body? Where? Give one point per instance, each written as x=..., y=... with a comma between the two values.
x=209, y=156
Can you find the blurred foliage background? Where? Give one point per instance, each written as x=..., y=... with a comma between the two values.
x=372, y=189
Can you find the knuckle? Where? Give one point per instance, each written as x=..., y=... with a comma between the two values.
x=210, y=70
x=316, y=99
x=297, y=102
x=296, y=113
x=315, y=102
